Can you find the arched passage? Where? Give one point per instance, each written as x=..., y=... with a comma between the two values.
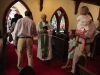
x=7, y=11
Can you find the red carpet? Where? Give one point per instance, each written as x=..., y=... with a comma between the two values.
x=94, y=65
x=42, y=67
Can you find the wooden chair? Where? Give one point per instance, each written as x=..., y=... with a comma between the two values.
x=80, y=68
x=27, y=70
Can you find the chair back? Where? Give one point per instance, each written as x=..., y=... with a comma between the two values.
x=80, y=68
x=27, y=70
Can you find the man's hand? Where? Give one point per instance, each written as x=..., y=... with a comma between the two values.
x=69, y=50
x=9, y=32
x=44, y=30
x=15, y=42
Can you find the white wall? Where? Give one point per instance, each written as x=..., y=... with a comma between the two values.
x=20, y=7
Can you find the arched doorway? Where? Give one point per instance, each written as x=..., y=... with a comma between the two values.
x=7, y=11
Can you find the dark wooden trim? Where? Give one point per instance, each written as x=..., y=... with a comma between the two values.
x=8, y=14
x=41, y=5
x=94, y=2
x=7, y=10
x=99, y=12
x=66, y=19
x=77, y=3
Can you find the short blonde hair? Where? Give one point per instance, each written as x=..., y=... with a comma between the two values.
x=43, y=15
x=84, y=10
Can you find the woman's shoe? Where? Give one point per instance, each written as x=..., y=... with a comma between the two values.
x=64, y=67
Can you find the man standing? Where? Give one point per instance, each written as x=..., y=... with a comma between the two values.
x=93, y=44
x=25, y=29
x=97, y=23
x=44, y=51
x=89, y=37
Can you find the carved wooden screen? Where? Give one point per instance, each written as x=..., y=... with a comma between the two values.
x=59, y=20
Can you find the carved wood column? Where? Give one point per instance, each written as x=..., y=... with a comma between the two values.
x=77, y=3
x=41, y=5
x=99, y=12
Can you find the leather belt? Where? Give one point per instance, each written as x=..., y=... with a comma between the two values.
x=25, y=37
x=79, y=42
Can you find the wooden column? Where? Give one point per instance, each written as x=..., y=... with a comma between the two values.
x=99, y=12
x=41, y=5
x=77, y=3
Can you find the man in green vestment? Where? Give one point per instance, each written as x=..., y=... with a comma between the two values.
x=44, y=51
x=45, y=42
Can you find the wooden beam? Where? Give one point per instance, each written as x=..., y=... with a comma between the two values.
x=41, y=5
x=99, y=12
x=77, y=3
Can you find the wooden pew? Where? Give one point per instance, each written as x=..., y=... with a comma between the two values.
x=84, y=71
x=80, y=68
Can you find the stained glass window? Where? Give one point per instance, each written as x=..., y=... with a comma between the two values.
x=59, y=20
x=54, y=22
x=59, y=12
x=62, y=24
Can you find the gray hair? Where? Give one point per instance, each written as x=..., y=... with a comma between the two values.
x=43, y=15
